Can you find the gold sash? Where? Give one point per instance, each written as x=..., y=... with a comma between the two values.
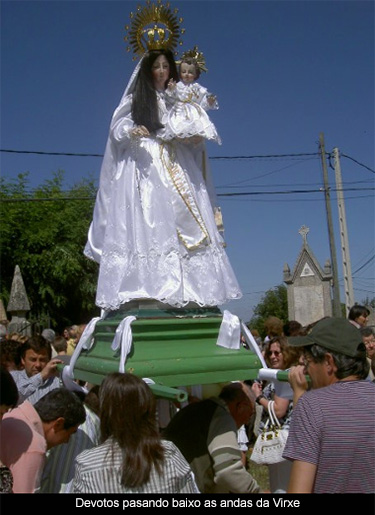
x=191, y=228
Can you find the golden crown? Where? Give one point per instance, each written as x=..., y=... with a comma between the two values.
x=152, y=27
x=197, y=56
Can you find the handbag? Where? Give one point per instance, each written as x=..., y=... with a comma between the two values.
x=269, y=445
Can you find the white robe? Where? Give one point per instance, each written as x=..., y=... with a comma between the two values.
x=188, y=116
x=153, y=231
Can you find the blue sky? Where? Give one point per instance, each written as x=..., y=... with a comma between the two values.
x=283, y=71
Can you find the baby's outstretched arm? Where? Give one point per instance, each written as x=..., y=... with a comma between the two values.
x=211, y=99
x=172, y=85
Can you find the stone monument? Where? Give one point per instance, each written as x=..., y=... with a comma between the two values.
x=18, y=306
x=308, y=286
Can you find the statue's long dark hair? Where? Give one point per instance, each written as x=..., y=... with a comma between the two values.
x=144, y=105
x=128, y=416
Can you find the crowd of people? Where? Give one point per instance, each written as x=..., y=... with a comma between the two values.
x=54, y=440
x=60, y=343
x=280, y=352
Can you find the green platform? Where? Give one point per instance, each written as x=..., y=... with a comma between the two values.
x=172, y=347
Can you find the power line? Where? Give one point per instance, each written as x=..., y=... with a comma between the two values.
x=358, y=163
x=74, y=154
x=368, y=254
x=364, y=264
x=288, y=192
x=264, y=156
x=366, y=291
x=239, y=185
x=71, y=154
x=45, y=199
x=248, y=193
x=273, y=200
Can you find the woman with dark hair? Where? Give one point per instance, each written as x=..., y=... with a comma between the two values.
x=153, y=231
x=358, y=315
x=145, y=109
x=132, y=457
x=279, y=355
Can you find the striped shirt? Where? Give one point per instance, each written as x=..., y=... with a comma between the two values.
x=58, y=473
x=98, y=470
x=33, y=388
x=206, y=434
x=334, y=428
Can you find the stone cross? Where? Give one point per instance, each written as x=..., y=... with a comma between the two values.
x=303, y=232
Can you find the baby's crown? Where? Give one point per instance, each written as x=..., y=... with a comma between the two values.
x=196, y=56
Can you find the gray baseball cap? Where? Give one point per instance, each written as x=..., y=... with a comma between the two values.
x=335, y=334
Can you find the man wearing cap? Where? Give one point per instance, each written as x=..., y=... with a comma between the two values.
x=332, y=433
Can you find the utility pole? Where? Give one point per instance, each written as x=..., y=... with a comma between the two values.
x=335, y=281
x=347, y=269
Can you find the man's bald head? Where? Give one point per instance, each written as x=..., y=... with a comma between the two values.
x=240, y=401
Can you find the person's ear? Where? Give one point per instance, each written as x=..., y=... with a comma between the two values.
x=330, y=363
x=51, y=429
x=58, y=424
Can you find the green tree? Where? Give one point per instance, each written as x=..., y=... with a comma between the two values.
x=273, y=303
x=44, y=232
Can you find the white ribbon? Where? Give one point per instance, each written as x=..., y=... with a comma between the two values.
x=70, y=383
x=147, y=380
x=250, y=340
x=123, y=339
x=230, y=332
x=85, y=342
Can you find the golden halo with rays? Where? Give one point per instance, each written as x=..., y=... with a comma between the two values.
x=153, y=26
x=198, y=57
